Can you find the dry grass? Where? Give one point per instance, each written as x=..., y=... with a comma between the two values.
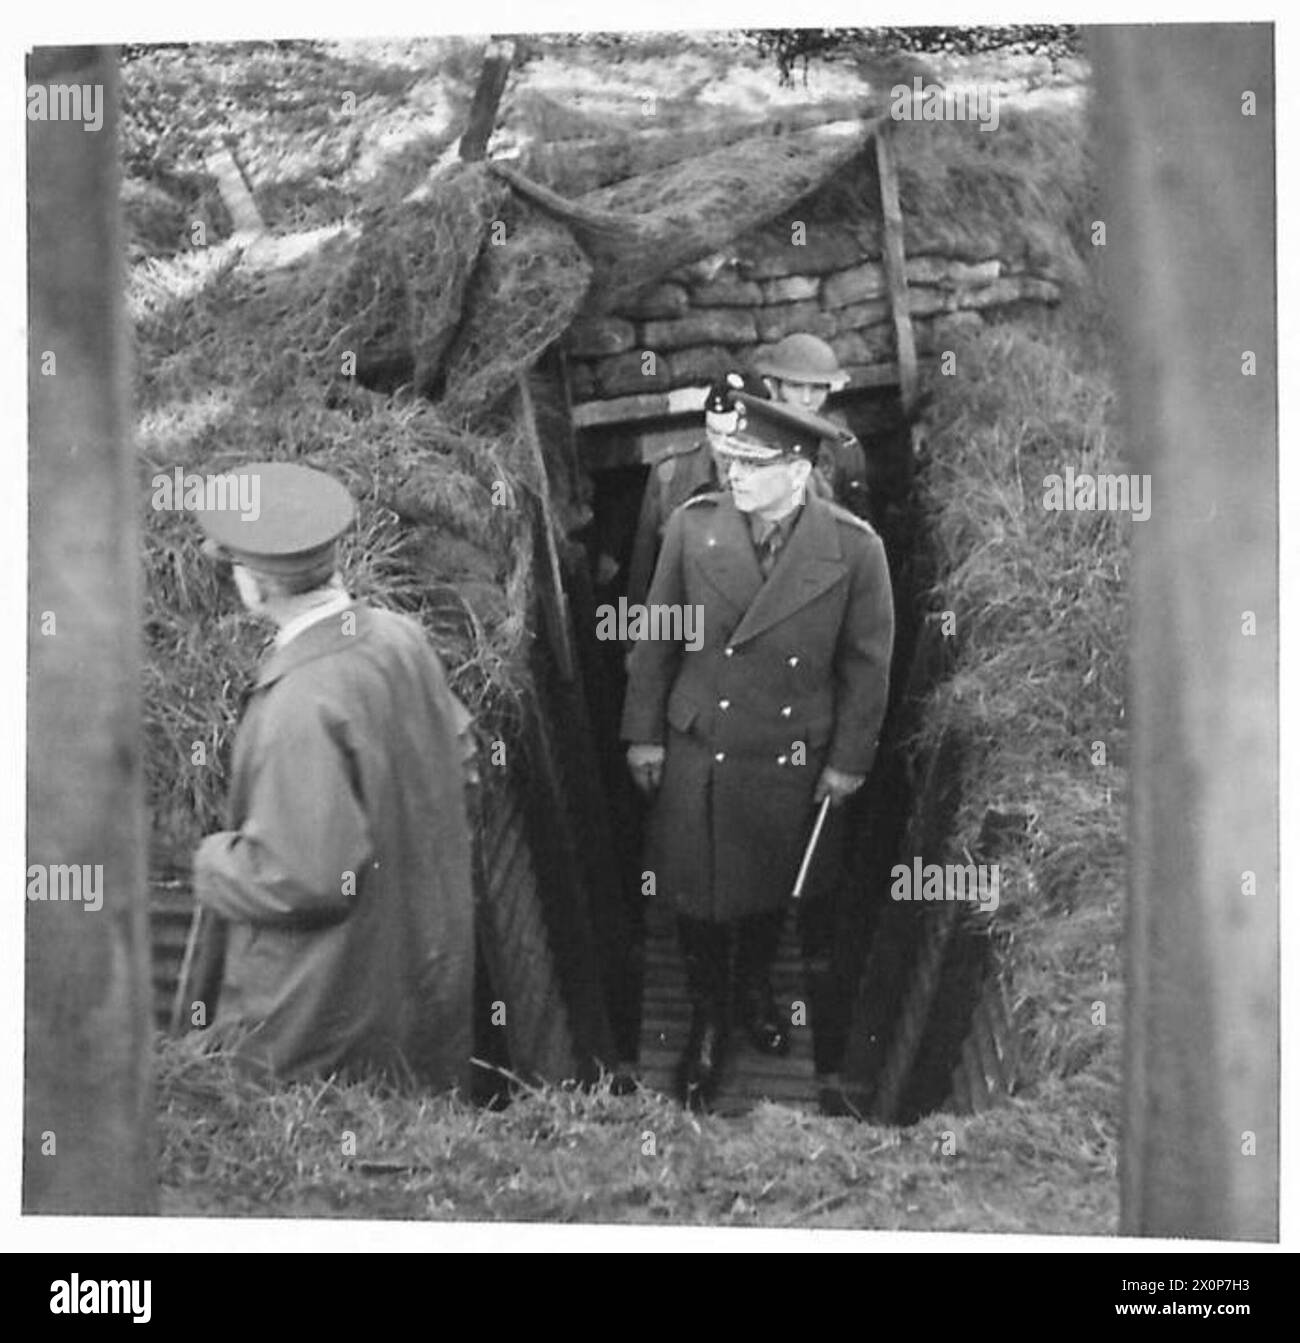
x=1040, y=600
x=226, y=374
x=561, y=1154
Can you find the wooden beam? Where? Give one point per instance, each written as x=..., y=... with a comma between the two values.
x=690, y=400
x=88, y=1142
x=643, y=406
x=1190, y=265
x=497, y=61
x=895, y=260
x=551, y=595
x=235, y=194
x=681, y=144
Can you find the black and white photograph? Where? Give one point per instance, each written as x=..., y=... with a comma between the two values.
x=661, y=626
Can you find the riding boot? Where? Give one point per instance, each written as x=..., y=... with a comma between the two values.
x=706, y=953
x=758, y=936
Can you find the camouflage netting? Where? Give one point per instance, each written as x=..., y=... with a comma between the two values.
x=403, y=294
x=642, y=228
x=466, y=283
x=523, y=297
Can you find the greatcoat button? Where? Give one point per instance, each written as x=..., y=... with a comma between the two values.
x=785, y=711
x=727, y=652
x=724, y=704
x=794, y=661
x=720, y=757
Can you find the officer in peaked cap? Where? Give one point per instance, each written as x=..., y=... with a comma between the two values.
x=802, y=370
x=739, y=739
x=341, y=888
x=682, y=472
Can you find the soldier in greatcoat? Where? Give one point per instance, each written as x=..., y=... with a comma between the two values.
x=781, y=705
x=343, y=879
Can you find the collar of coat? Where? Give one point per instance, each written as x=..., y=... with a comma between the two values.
x=811, y=561
x=318, y=640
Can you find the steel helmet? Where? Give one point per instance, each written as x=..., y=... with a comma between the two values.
x=802, y=357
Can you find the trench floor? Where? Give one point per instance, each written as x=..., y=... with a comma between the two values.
x=748, y=1076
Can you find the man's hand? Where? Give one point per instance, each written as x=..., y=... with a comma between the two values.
x=837, y=786
x=646, y=761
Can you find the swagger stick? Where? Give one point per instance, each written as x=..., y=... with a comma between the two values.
x=811, y=849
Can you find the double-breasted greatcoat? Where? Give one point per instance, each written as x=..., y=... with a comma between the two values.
x=792, y=675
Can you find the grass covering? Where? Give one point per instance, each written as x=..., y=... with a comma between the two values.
x=561, y=1154
x=224, y=378
x=1037, y=690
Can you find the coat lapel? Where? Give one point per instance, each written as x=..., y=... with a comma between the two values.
x=809, y=564
x=728, y=561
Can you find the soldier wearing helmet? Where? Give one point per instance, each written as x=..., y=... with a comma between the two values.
x=802, y=371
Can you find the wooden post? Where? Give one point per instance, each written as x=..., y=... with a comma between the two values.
x=497, y=61
x=551, y=594
x=1186, y=143
x=895, y=260
x=88, y=1114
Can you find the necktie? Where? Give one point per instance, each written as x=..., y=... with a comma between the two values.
x=769, y=547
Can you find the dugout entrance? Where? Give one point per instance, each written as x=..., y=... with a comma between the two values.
x=495, y=414
x=893, y=1015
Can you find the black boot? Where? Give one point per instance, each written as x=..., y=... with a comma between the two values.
x=757, y=939
x=705, y=953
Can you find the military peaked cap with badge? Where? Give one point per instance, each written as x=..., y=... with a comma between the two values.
x=720, y=404
x=767, y=431
x=301, y=513
x=682, y=473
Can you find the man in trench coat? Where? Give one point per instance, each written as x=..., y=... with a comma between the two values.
x=779, y=706
x=344, y=877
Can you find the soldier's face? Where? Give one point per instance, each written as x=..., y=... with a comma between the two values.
x=770, y=489
x=806, y=395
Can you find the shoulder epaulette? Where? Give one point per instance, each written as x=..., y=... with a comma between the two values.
x=842, y=514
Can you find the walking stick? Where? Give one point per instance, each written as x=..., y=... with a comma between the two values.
x=811, y=849
x=201, y=969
